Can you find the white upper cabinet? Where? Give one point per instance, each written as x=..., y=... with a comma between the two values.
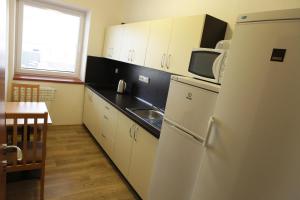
x=135, y=41
x=159, y=39
x=164, y=44
x=186, y=36
x=171, y=42
x=113, y=42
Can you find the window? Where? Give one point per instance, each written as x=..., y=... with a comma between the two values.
x=50, y=39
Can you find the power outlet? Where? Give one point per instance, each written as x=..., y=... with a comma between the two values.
x=144, y=79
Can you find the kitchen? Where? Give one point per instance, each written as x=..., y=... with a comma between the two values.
x=144, y=52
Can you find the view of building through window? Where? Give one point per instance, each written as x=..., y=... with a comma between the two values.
x=50, y=40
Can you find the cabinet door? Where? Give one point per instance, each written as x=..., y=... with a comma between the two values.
x=86, y=108
x=89, y=114
x=135, y=43
x=123, y=144
x=140, y=35
x=109, y=117
x=159, y=39
x=113, y=42
x=186, y=35
x=142, y=160
x=98, y=117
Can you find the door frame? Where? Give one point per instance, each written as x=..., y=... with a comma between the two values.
x=3, y=66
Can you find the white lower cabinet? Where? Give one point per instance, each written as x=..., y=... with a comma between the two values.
x=142, y=159
x=123, y=144
x=107, y=118
x=130, y=147
x=101, y=119
x=134, y=154
x=91, y=111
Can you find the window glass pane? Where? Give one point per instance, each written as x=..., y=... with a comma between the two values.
x=49, y=40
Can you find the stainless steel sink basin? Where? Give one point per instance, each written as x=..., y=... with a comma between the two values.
x=149, y=114
x=154, y=117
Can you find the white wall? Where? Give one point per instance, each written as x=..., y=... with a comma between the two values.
x=228, y=10
x=104, y=13
x=68, y=106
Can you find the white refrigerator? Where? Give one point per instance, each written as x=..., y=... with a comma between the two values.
x=254, y=147
x=189, y=107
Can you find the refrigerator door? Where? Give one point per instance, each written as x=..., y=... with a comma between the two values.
x=176, y=165
x=255, y=151
x=191, y=106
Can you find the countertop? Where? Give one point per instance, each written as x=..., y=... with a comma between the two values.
x=123, y=101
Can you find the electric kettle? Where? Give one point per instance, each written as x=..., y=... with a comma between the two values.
x=121, y=86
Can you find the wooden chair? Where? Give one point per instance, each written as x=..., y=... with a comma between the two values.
x=34, y=149
x=25, y=92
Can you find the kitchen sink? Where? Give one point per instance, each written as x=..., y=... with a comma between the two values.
x=153, y=117
x=149, y=114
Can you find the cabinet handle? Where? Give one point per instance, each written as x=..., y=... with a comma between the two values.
x=162, y=60
x=106, y=107
x=90, y=97
x=105, y=117
x=109, y=52
x=168, y=60
x=135, y=135
x=130, y=130
x=132, y=55
x=112, y=52
x=103, y=135
x=128, y=58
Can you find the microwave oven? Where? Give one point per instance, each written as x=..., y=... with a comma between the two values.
x=207, y=64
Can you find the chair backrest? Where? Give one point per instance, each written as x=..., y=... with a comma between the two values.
x=25, y=92
x=29, y=132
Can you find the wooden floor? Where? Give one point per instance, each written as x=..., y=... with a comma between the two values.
x=76, y=169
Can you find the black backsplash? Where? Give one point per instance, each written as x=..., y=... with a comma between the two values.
x=101, y=72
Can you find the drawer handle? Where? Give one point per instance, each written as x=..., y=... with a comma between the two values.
x=105, y=117
x=103, y=135
x=106, y=107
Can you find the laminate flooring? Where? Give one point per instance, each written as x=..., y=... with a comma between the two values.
x=76, y=169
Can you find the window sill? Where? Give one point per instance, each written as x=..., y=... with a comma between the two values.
x=20, y=77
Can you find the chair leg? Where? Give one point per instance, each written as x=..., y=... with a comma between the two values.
x=42, y=183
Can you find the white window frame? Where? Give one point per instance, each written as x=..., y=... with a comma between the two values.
x=48, y=4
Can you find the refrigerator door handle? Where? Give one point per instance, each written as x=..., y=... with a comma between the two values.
x=174, y=125
x=208, y=134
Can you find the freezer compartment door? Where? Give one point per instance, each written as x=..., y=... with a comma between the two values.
x=190, y=107
x=176, y=166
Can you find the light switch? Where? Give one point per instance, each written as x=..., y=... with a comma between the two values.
x=144, y=79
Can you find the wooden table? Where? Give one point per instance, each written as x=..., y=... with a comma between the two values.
x=26, y=107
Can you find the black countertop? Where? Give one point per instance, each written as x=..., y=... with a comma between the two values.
x=123, y=101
